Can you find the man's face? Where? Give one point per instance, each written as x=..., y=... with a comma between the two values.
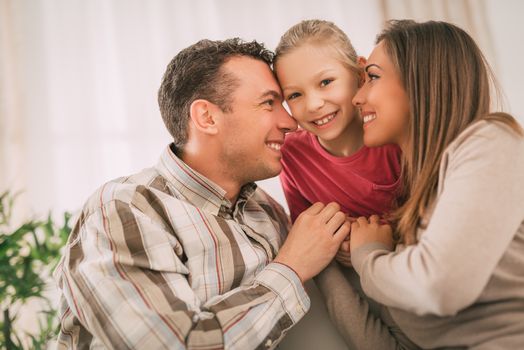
x=253, y=132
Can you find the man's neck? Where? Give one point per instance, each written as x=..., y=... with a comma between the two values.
x=208, y=167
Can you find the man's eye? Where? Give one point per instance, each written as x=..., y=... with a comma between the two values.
x=325, y=82
x=269, y=102
x=292, y=96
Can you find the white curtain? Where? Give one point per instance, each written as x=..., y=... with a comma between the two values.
x=79, y=81
x=79, y=78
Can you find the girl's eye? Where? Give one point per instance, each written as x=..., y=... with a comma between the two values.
x=325, y=82
x=292, y=96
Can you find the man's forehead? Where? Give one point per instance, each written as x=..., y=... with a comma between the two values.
x=254, y=74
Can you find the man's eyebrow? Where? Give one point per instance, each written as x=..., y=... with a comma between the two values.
x=272, y=93
x=372, y=65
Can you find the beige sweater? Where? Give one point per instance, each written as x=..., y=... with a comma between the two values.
x=462, y=284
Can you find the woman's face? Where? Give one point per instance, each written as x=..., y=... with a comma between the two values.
x=318, y=89
x=383, y=102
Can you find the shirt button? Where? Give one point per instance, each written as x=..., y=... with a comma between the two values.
x=269, y=343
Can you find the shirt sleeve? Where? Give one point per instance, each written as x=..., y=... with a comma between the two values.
x=124, y=278
x=296, y=202
x=475, y=217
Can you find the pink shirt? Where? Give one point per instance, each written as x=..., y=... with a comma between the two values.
x=363, y=184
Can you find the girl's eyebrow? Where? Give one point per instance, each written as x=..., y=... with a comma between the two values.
x=372, y=65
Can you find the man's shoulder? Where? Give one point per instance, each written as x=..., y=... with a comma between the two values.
x=149, y=183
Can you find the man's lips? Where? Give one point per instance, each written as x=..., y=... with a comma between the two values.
x=275, y=145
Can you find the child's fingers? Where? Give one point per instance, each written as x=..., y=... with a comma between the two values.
x=374, y=219
x=362, y=221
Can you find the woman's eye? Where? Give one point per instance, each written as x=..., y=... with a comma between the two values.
x=293, y=96
x=372, y=76
x=325, y=82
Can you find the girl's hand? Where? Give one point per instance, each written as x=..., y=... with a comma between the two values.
x=344, y=252
x=365, y=231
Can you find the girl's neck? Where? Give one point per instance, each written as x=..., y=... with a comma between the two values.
x=348, y=142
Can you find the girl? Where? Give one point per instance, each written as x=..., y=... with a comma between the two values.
x=319, y=73
x=456, y=279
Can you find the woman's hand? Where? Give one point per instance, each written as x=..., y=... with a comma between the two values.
x=365, y=231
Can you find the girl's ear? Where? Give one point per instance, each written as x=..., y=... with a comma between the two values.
x=362, y=64
x=203, y=114
x=362, y=61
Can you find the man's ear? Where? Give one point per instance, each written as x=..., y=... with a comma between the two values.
x=203, y=114
x=362, y=64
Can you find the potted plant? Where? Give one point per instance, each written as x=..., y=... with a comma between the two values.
x=28, y=254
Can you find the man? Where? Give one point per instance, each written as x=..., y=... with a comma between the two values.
x=188, y=254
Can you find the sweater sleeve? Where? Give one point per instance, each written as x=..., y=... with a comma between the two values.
x=475, y=217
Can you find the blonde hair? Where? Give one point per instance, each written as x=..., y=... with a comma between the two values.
x=320, y=33
x=447, y=80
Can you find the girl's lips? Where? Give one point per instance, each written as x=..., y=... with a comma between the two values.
x=324, y=122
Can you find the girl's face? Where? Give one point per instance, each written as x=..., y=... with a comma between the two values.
x=383, y=102
x=318, y=89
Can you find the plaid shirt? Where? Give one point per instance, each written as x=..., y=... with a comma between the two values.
x=161, y=259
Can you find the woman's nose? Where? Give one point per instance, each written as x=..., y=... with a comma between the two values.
x=358, y=99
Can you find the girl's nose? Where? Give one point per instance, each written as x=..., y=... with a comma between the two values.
x=314, y=103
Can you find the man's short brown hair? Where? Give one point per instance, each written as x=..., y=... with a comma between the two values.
x=195, y=73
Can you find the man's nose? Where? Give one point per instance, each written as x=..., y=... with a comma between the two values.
x=286, y=122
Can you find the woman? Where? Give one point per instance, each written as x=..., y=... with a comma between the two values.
x=456, y=276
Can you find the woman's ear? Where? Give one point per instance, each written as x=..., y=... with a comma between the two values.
x=203, y=114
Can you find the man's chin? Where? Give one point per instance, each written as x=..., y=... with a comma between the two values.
x=268, y=172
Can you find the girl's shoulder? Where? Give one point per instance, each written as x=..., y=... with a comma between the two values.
x=301, y=139
x=298, y=135
x=390, y=151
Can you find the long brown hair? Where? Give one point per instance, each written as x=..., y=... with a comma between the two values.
x=447, y=80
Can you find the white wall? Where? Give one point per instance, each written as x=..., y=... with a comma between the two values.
x=507, y=32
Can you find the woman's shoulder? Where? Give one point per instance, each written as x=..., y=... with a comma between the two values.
x=488, y=134
x=486, y=144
